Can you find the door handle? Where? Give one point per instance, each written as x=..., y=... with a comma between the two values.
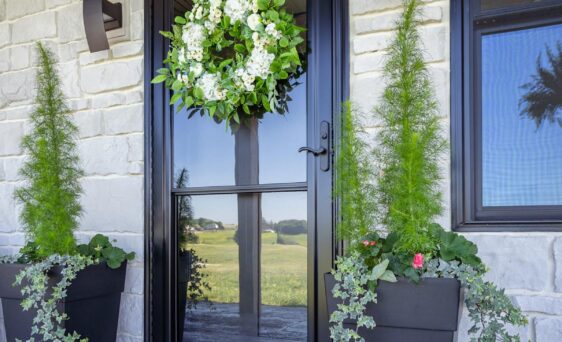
x=324, y=150
x=315, y=152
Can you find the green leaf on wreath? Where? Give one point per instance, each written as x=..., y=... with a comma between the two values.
x=159, y=79
x=180, y=20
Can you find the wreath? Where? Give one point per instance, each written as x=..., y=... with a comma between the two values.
x=233, y=59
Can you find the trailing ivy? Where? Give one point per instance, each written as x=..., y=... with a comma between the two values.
x=489, y=308
x=40, y=296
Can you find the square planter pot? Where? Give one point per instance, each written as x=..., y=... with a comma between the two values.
x=408, y=312
x=92, y=302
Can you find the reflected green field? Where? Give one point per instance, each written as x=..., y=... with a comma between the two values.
x=283, y=270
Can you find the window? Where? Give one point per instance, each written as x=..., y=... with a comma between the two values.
x=506, y=114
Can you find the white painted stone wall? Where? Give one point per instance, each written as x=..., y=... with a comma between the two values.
x=528, y=265
x=105, y=90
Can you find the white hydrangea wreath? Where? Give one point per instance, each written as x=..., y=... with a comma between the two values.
x=233, y=58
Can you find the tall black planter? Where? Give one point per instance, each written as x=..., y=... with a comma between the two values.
x=408, y=312
x=92, y=302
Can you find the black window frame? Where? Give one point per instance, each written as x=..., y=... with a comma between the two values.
x=468, y=24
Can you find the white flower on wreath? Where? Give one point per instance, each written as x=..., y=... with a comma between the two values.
x=193, y=36
x=253, y=21
x=209, y=83
x=237, y=9
x=197, y=69
x=272, y=31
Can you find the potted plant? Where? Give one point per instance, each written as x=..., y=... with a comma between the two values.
x=401, y=269
x=54, y=289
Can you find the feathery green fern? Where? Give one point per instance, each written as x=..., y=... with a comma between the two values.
x=50, y=197
x=410, y=141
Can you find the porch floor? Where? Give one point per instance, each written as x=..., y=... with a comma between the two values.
x=220, y=322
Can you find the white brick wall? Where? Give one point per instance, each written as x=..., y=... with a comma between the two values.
x=106, y=91
x=528, y=265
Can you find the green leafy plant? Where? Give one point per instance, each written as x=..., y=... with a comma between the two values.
x=410, y=141
x=50, y=198
x=353, y=187
x=197, y=285
x=408, y=201
x=100, y=249
x=355, y=287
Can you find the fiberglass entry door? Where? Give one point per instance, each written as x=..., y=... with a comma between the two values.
x=245, y=208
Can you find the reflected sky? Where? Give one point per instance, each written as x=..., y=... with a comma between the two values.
x=522, y=164
x=206, y=148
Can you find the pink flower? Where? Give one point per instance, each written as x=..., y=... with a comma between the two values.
x=418, y=261
x=366, y=242
x=373, y=243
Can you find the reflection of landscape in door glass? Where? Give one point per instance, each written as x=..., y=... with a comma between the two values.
x=284, y=266
x=208, y=228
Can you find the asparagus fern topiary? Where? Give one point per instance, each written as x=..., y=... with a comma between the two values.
x=353, y=185
x=410, y=142
x=50, y=197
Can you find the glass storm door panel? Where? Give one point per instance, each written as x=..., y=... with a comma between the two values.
x=246, y=215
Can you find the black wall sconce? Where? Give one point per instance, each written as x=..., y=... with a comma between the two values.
x=101, y=16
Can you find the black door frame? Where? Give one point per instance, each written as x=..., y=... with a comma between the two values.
x=328, y=71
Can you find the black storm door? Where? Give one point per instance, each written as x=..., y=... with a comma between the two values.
x=246, y=212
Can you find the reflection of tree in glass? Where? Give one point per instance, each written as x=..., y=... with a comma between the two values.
x=196, y=282
x=543, y=98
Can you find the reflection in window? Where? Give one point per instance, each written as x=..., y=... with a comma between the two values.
x=521, y=144
x=494, y=4
x=284, y=266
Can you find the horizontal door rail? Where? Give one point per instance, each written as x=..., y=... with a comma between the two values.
x=241, y=189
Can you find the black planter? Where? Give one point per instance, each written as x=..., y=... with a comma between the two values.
x=408, y=312
x=92, y=302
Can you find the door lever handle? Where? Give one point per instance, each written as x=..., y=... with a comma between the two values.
x=315, y=152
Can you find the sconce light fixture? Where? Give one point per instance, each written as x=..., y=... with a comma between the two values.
x=101, y=16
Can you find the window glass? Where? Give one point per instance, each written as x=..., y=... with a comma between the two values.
x=283, y=314
x=521, y=117
x=495, y=4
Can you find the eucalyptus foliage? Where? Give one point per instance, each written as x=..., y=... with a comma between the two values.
x=410, y=142
x=50, y=197
x=353, y=187
x=48, y=323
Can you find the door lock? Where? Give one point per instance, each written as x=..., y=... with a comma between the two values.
x=324, y=150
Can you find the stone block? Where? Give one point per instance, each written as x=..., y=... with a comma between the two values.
x=8, y=212
x=110, y=76
x=137, y=25
x=34, y=27
x=548, y=329
x=557, y=247
x=366, y=6
x=4, y=60
x=56, y=3
x=366, y=92
x=17, y=86
x=12, y=166
x=113, y=204
x=515, y=262
x=539, y=303
x=69, y=79
x=131, y=314
x=10, y=137
x=89, y=123
x=127, y=49
x=5, y=34
x=20, y=8
x=368, y=62
x=20, y=57
x=104, y=155
x=371, y=43
x=87, y=57
x=121, y=120
x=136, y=147
x=435, y=42
x=134, y=284
x=71, y=23
x=387, y=21
x=116, y=99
